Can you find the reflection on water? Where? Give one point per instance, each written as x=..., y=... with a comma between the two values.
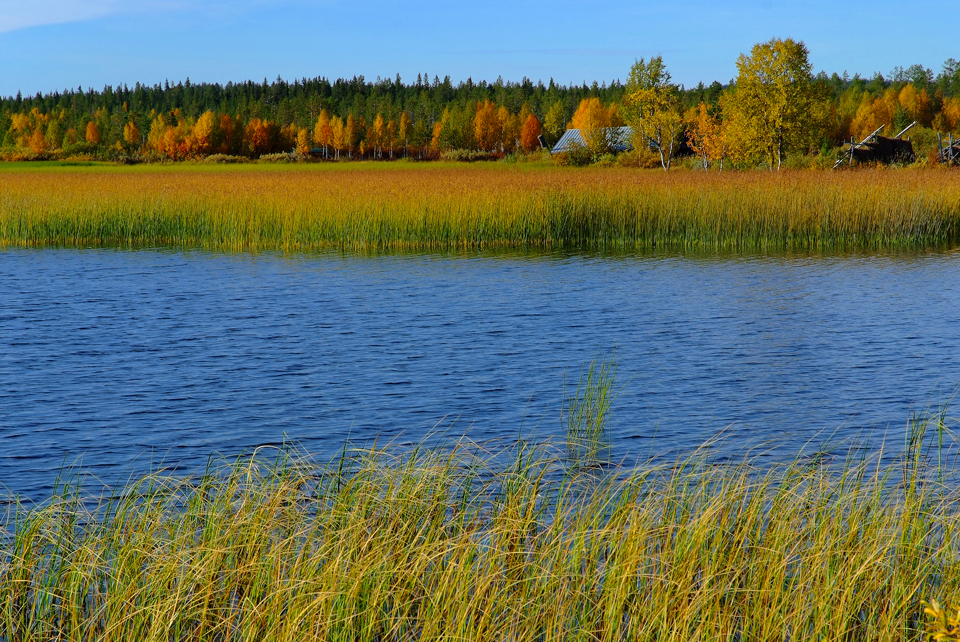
x=121, y=359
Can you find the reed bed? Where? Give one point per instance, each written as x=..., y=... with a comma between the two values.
x=410, y=206
x=458, y=545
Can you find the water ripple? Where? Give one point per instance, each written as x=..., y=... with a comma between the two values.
x=120, y=359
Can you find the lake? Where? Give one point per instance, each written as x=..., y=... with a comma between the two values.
x=116, y=361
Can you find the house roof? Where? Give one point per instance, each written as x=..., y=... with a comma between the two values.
x=621, y=139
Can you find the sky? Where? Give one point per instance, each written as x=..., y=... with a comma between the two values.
x=48, y=45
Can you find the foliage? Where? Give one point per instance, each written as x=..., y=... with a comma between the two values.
x=770, y=110
x=530, y=136
x=641, y=158
x=594, y=119
x=706, y=136
x=942, y=626
x=652, y=108
x=283, y=157
x=387, y=119
x=466, y=156
x=225, y=159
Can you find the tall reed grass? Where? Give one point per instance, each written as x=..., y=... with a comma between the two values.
x=588, y=409
x=418, y=207
x=458, y=545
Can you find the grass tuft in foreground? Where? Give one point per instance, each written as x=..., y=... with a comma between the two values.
x=588, y=409
x=451, y=545
x=411, y=206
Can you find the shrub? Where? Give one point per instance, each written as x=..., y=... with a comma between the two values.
x=605, y=160
x=797, y=160
x=466, y=155
x=283, y=157
x=225, y=159
x=642, y=158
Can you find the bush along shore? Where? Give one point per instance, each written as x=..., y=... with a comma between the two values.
x=409, y=206
x=467, y=544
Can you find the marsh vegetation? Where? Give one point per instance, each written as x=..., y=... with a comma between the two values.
x=519, y=542
x=409, y=206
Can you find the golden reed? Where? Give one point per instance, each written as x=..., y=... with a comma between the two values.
x=410, y=206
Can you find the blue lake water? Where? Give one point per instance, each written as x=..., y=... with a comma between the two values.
x=117, y=360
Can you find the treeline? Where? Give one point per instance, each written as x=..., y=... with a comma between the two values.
x=252, y=119
x=388, y=118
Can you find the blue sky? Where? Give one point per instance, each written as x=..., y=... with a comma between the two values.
x=48, y=45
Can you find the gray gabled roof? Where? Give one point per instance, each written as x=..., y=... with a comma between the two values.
x=621, y=139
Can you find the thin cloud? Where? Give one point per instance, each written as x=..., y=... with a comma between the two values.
x=17, y=14
x=21, y=14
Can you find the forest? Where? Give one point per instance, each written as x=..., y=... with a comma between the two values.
x=433, y=118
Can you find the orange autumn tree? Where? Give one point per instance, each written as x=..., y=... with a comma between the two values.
x=593, y=119
x=436, y=136
x=706, y=135
x=36, y=142
x=93, y=133
x=258, y=135
x=229, y=143
x=530, y=136
x=486, y=126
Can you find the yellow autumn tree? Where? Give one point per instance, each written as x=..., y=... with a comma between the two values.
x=203, y=139
x=871, y=114
x=554, y=122
x=303, y=140
x=916, y=104
x=404, y=131
x=771, y=107
x=337, y=139
x=379, y=133
x=390, y=137
x=350, y=134
x=322, y=132
x=652, y=108
x=509, y=130
x=131, y=133
x=155, y=142
x=951, y=114
x=54, y=134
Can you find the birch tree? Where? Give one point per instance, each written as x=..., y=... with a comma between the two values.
x=771, y=108
x=652, y=108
